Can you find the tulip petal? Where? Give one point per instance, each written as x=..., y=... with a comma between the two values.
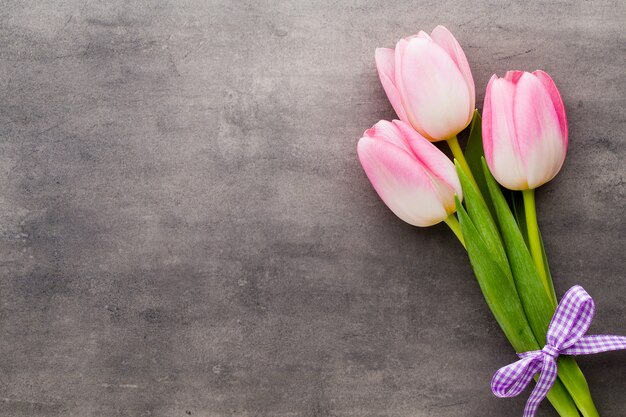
x=557, y=101
x=435, y=161
x=513, y=76
x=422, y=35
x=444, y=38
x=389, y=132
x=487, y=126
x=538, y=130
x=398, y=55
x=401, y=182
x=502, y=150
x=385, y=63
x=438, y=99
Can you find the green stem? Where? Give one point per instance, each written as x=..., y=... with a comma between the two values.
x=534, y=241
x=453, y=143
x=454, y=225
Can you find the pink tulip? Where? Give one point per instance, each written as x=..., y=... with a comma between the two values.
x=524, y=129
x=429, y=83
x=414, y=178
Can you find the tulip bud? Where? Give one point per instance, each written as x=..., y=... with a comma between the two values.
x=414, y=178
x=524, y=129
x=429, y=83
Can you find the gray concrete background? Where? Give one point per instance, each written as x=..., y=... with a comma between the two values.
x=185, y=228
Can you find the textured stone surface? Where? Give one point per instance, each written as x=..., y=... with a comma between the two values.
x=185, y=229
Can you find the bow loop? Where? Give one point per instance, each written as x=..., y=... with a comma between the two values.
x=512, y=379
x=572, y=318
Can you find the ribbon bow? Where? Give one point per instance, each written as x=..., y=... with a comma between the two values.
x=566, y=336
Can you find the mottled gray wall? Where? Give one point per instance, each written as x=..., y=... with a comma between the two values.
x=185, y=229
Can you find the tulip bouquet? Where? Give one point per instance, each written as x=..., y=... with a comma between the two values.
x=487, y=198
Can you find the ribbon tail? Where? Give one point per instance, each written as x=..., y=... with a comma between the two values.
x=588, y=345
x=544, y=383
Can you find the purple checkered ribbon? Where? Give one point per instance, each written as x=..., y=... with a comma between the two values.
x=566, y=336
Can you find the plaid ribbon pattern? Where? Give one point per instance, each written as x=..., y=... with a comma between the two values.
x=566, y=336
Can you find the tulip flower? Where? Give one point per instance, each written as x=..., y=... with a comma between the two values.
x=429, y=83
x=414, y=178
x=430, y=86
x=524, y=129
x=525, y=141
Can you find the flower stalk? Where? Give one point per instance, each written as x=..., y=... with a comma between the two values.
x=454, y=225
x=453, y=143
x=534, y=242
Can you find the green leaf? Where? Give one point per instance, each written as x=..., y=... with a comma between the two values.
x=516, y=202
x=483, y=221
x=537, y=304
x=498, y=290
x=546, y=266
